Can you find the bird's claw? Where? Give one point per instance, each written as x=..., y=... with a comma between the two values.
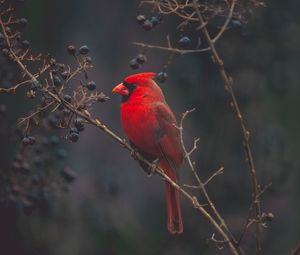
x=153, y=167
x=134, y=154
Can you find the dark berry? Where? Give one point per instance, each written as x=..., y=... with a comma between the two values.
x=32, y=140
x=35, y=85
x=68, y=98
x=61, y=154
x=134, y=64
x=23, y=22
x=140, y=19
x=79, y=124
x=73, y=137
x=53, y=121
x=71, y=50
x=161, y=76
x=65, y=75
x=74, y=130
x=236, y=24
x=57, y=81
x=28, y=140
x=184, y=42
x=25, y=44
x=141, y=58
x=68, y=174
x=91, y=85
x=154, y=20
x=147, y=25
x=83, y=50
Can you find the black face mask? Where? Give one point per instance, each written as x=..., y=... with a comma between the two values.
x=131, y=87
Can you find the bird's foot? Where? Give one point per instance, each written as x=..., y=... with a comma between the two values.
x=134, y=154
x=153, y=167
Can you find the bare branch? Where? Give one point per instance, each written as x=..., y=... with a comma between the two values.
x=225, y=25
x=175, y=50
x=218, y=172
x=248, y=152
x=39, y=110
x=201, y=184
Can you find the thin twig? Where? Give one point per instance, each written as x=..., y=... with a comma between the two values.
x=13, y=89
x=201, y=184
x=249, y=220
x=39, y=110
x=226, y=23
x=218, y=172
x=176, y=50
x=248, y=152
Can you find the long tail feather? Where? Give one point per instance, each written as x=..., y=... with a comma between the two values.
x=174, y=218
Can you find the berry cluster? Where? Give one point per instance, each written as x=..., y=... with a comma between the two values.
x=184, y=42
x=13, y=29
x=161, y=76
x=63, y=81
x=214, y=15
x=150, y=23
x=139, y=60
x=62, y=95
x=38, y=170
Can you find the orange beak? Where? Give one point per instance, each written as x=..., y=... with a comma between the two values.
x=121, y=90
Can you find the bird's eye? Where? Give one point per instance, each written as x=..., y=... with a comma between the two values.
x=130, y=86
x=126, y=84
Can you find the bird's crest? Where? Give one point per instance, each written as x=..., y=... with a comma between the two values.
x=136, y=78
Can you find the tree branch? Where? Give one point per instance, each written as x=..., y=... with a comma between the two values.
x=248, y=152
x=170, y=49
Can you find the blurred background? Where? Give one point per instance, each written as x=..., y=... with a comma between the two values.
x=113, y=207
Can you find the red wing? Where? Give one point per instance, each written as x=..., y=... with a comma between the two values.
x=168, y=136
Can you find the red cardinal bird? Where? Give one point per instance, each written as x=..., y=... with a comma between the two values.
x=149, y=124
